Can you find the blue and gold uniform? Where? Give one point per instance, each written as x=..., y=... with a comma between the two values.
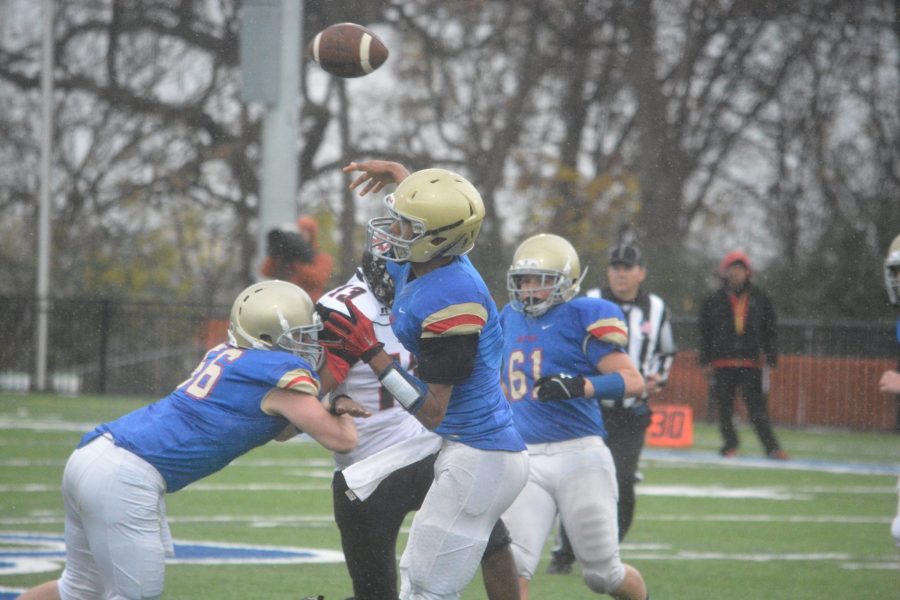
x=213, y=417
x=572, y=471
x=453, y=300
x=482, y=464
x=571, y=338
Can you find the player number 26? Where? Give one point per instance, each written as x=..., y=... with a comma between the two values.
x=207, y=373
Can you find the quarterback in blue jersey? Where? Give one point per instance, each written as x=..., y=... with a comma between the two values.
x=261, y=385
x=890, y=380
x=444, y=315
x=369, y=527
x=561, y=354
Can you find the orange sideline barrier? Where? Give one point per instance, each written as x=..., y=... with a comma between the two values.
x=672, y=426
x=805, y=391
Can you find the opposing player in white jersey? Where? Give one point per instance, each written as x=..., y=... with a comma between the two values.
x=261, y=385
x=369, y=528
x=560, y=355
x=445, y=316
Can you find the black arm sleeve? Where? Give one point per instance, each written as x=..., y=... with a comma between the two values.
x=447, y=360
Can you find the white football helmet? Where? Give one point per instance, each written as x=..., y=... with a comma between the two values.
x=892, y=272
x=432, y=213
x=277, y=315
x=555, y=261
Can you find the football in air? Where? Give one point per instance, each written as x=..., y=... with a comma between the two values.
x=348, y=50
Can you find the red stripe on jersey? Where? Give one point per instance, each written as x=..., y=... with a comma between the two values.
x=299, y=380
x=445, y=325
x=610, y=331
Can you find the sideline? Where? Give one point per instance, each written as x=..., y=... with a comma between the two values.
x=751, y=462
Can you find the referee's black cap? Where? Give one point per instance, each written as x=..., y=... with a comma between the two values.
x=626, y=254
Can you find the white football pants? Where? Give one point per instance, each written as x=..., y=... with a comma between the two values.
x=449, y=533
x=576, y=478
x=116, y=532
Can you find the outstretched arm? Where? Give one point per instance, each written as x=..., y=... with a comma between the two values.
x=375, y=174
x=304, y=411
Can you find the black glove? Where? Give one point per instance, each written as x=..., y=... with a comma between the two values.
x=559, y=387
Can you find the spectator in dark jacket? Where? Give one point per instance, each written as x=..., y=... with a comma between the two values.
x=737, y=327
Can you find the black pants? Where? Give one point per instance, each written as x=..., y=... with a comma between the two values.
x=726, y=382
x=369, y=529
x=625, y=432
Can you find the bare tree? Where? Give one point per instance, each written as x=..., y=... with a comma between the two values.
x=689, y=125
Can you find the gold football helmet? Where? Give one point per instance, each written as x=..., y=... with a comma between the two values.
x=892, y=272
x=277, y=315
x=432, y=213
x=554, y=261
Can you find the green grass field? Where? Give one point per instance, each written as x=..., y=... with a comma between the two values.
x=747, y=529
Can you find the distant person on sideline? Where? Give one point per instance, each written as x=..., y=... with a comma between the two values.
x=737, y=326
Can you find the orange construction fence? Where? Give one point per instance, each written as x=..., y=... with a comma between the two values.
x=804, y=391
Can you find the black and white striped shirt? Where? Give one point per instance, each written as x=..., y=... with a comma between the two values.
x=651, y=345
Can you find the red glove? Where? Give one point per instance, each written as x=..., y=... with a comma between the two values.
x=356, y=335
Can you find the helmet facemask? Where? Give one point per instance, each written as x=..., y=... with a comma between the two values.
x=554, y=272
x=374, y=271
x=303, y=341
x=892, y=279
x=386, y=234
x=892, y=272
x=531, y=301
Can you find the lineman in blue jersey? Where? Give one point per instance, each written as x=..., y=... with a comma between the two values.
x=445, y=316
x=890, y=380
x=260, y=386
x=560, y=355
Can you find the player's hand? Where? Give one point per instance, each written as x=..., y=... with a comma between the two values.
x=376, y=174
x=559, y=387
x=342, y=404
x=889, y=382
x=653, y=384
x=356, y=335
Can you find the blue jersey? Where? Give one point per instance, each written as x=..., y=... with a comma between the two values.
x=453, y=300
x=569, y=338
x=213, y=417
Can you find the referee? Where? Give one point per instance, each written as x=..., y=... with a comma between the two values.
x=652, y=348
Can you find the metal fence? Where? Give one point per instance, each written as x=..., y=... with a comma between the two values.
x=142, y=348
x=105, y=346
